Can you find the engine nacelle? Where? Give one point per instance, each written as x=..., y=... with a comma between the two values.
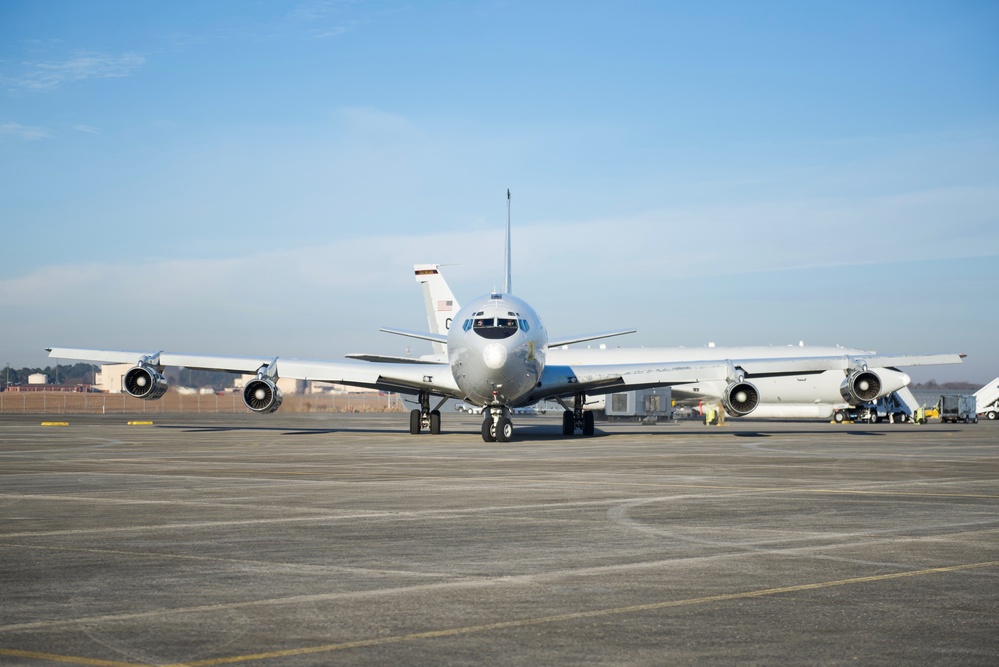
x=861, y=387
x=144, y=382
x=262, y=395
x=740, y=398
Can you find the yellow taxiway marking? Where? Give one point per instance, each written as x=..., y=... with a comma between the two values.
x=72, y=659
x=55, y=423
x=503, y=625
x=136, y=423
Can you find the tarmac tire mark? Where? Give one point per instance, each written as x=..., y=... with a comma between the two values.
x=516, y=623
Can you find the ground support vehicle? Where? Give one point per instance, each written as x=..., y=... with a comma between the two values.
x=987, y=401
x=955, y=408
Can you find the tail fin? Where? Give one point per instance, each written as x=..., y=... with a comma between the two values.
x=437, y=299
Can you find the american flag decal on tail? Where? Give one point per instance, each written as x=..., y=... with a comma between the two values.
x=445, y=306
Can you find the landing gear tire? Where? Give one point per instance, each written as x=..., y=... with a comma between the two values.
x=414, y=422
x=839, y=417
x=568, y=425
x=588, y=427
x=504, y=430
x=488, y=429
x=435, y=422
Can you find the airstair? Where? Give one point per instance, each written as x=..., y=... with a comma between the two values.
x=906, y=398
x=987, y=399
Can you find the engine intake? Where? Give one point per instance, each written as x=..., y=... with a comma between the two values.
x=144, y=382
x=740, y=398
x=861, y=387
x=262, y=395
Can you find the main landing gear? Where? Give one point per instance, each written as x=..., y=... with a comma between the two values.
x=497, y=427
x=425, y=418
x=577, y=418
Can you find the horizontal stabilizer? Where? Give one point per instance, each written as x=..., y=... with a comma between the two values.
x=586, y=337
x=433, y=338
x=389, y=359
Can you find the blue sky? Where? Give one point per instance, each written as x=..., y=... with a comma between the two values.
x=236, y=177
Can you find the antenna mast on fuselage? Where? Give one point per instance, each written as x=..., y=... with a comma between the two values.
x=506, y=278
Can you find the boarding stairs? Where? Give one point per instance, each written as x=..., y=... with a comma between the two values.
x=987, y=396
x=909, y=401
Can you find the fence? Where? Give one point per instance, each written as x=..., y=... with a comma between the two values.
x=173, y=402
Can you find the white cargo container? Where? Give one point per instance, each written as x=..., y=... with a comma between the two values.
x=641, y=405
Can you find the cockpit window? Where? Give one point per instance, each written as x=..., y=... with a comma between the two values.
x=494, y=327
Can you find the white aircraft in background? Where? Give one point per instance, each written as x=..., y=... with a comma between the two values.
x=496, y=357
x=812, y=395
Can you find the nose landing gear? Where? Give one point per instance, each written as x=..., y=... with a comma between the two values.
x=497, y=427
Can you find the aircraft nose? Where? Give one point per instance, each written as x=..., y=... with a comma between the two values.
x=494, y=356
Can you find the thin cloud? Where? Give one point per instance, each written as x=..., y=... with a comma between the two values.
x=26, y=132
x=46, y=76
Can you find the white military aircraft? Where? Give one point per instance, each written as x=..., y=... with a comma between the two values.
x=497, y=358
x=811, y=394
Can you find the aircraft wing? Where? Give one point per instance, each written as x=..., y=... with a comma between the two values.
x=567, y=380
x=398, y=377
x=805, y=365
x=559, y=381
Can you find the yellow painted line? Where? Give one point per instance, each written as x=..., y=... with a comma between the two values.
x=140, y=423
x=72, y=659
x=55, y=423
x=502, y=625
x=597, y=613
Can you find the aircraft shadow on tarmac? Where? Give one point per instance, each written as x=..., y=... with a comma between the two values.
x=531, y=432
x=536, y=432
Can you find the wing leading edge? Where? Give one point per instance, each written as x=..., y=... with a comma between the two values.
x=398, y=377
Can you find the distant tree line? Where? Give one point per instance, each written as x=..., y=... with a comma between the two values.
x=951, y=386
x=76, y=374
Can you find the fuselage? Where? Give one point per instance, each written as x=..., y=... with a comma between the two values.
x=496, y=349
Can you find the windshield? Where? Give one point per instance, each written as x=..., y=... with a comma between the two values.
x=494, y=327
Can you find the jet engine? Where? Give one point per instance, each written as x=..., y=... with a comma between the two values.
x=262, y=395
x=861, y=386
x=144, y=382
x=740, y=398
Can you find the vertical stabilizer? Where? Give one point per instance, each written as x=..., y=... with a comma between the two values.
x=437, y=299
x=507, y=288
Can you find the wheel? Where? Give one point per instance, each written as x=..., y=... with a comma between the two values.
x=992, y=415
x=435, y=422
x=838, y=417
x=874, y=418
x=504, y=430
x=568, y=427
x=414, y=422
x=588, y=423
x=488, y=432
